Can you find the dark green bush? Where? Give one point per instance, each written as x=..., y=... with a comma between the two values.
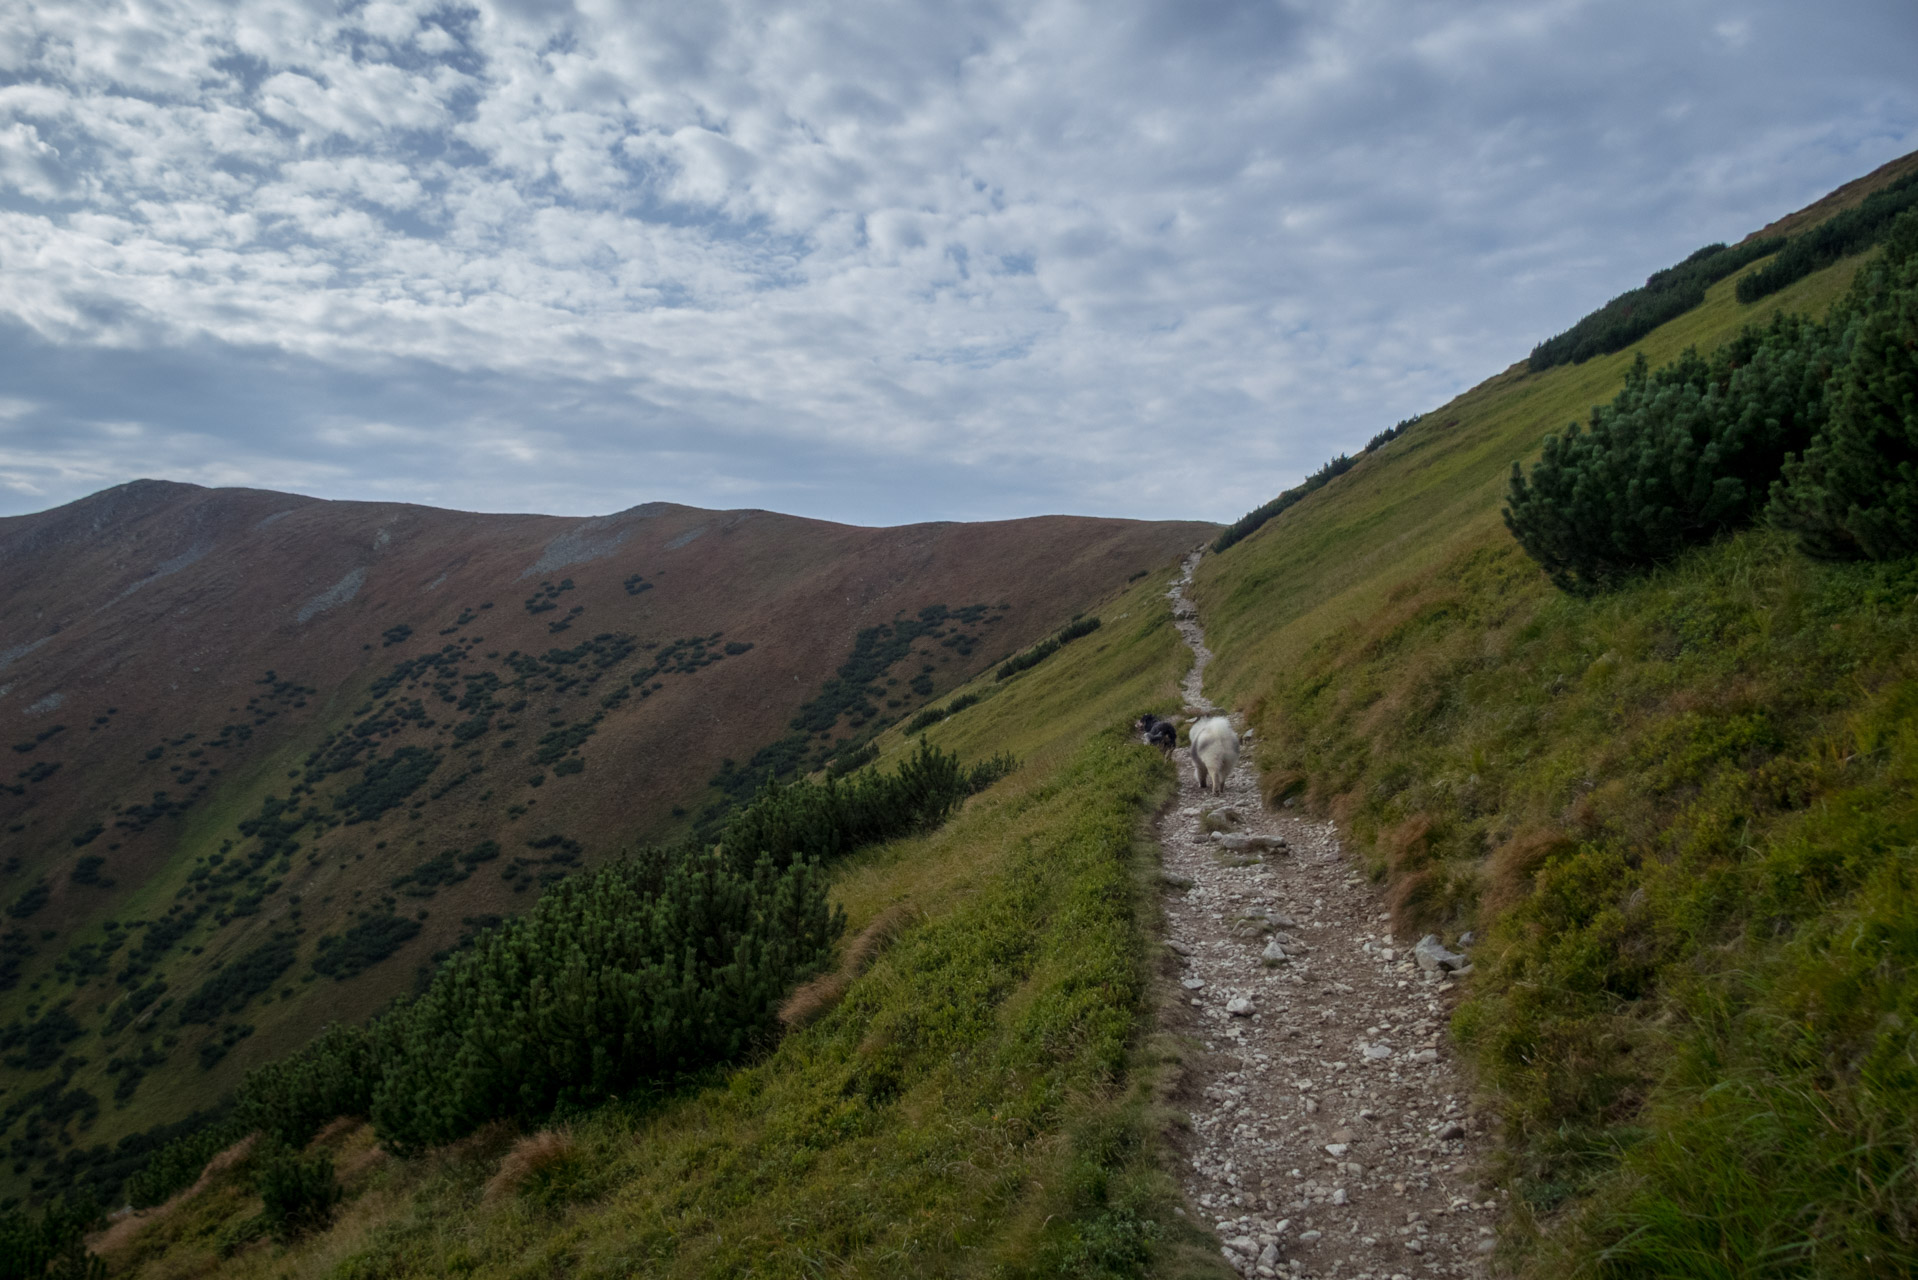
x=1839, y=236
x=386, y=783
x=217, y=1047
x=293, y=1098
x=1665, y=295
x=1681, y=455
x=1854, y=493
x=87, y=871
x=821, y=820
x=298, y=1192
x=659, y=965
x=50, y=1245
x=1388, y=435
x=847, y=761
x=363, y=946
x=665, y=963
x=236, y=983
x=933, y=715
x=989, y=771
x=926, y=719
x=30, y=902
x=1248, y=524
x=1046, y=648
x=38, y=1044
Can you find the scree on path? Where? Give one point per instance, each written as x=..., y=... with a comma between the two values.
x=1331, y=1132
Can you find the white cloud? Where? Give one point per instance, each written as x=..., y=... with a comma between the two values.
x=865, y=260
x=28, y=164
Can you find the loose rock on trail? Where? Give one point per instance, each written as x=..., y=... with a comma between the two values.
x=1331, y=1132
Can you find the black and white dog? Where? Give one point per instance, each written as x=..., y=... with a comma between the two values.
x=1162, y=734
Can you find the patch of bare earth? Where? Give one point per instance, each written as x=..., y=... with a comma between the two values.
x=1331, y=1132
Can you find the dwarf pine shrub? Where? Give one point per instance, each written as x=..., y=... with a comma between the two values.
x=51, y=1243
x=655, y=967
x=1852, y=231
x=298, y=1193
x=1682, y=454
x=663, y=964
x=1854, y=492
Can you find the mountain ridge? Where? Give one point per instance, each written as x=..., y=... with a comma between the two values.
x=180, y=669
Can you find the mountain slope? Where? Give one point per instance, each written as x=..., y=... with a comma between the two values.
x=975, y=1095
x=1603, y=787
x=1677, y=817
x=272, y=753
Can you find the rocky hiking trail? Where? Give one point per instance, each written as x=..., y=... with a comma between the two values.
x=1331, y=1133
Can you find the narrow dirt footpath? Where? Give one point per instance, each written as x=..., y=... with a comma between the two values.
x=1331, y=1134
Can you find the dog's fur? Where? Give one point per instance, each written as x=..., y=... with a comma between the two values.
x=1215, y=752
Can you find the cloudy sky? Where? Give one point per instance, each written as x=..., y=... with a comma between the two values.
x=874, y=262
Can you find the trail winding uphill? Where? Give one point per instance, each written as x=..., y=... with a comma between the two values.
x=1331, y=1132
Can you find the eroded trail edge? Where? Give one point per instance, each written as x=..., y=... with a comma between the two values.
x=1331, y=1134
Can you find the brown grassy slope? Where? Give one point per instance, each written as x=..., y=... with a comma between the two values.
x=1849, y=196
x=156, y=609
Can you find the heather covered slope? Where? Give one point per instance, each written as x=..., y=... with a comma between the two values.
x=271, y=754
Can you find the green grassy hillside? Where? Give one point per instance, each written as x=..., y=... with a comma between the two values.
x=1679, y=816
x=978, y=1100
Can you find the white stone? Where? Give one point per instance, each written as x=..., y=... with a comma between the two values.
x=1193, y=984
x=1335, y=1149
x=1425, y=1055
x=1239, y=1007
x=1274, y=953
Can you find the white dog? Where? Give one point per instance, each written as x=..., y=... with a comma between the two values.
x=1215, y=752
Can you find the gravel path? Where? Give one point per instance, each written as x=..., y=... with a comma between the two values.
x=1331, y=1133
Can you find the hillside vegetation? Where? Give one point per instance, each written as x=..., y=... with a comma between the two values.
x=1675, y=806
x=274, y=758
x=972, y=1090
x=1677, y=810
